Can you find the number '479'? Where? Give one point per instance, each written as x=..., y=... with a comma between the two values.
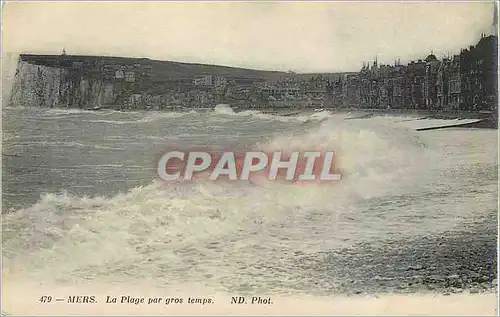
x=45, y=299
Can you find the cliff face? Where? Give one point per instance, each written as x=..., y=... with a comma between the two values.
x=35, y=86
x=116, y=82
x=44, y=86
x=48, y=85
x=9, y=65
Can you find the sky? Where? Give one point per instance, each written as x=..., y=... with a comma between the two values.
x=297, y=36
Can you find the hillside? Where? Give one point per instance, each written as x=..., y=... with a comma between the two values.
x=168, y=69
x=165, y=70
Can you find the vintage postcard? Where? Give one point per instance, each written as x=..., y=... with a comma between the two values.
x=249, y=158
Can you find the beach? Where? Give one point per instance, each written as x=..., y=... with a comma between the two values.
x=410, y=229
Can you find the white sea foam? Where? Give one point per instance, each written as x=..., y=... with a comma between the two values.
x=207, y=233
x=147, y=118
x=136, y=226
x=60, y=144
x=224, y=109
x=69, y=111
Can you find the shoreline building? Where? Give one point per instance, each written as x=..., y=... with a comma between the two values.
x=464, y=82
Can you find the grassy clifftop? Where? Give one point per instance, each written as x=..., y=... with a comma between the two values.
x=185, y=70
x=164, y=70
x=160, y=69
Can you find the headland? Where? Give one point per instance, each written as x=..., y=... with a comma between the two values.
x=464, y=84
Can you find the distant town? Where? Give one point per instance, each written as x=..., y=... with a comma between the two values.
x=463, y=82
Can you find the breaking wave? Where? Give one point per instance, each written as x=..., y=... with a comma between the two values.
x=61, y=144
x=150, y=117
x=163, y=232
x=224, y=109
x=59, y=111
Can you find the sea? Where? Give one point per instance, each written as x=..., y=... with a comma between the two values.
x=415, y=212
